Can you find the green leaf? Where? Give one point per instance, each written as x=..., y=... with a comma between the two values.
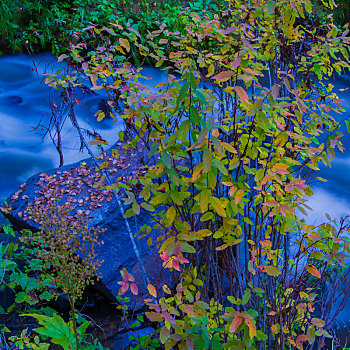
x=347, y=122
x=206, y=160
x=272, y=271
x=246, y=296
x=256, y=107
x=218, y=145
x=194, y=115
x=54, y=327
x=147, y=206
x=311, y=334
x=166, y=159
x=203, y=199
x=82, y=328
x=207, y=216
x=184, y=130
x=216, y=342
x=182, y=94
x=218, y=164
x=201, y=97
x=308, y=6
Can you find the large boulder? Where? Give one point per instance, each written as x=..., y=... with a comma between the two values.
x=77, y=184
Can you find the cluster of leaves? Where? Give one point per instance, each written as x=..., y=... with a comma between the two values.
x=61, y=258
x=67, y=244
x=230, y=156
x=27, y=277
x=52, y=23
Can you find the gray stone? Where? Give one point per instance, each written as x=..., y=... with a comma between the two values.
x=75, y=182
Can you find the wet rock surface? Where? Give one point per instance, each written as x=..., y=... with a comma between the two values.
x=76, y=183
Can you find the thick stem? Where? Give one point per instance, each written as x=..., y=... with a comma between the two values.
x=72, y=305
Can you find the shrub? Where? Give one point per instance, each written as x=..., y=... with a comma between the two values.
x=226, y=171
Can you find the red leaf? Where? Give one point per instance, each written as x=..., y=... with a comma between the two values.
x=175, y=264
x=229, y=30
x=189, y=344
x=177, y=249
x=123, y=288
x=236, y=63
x=154, y=316
x=126, y=276
x=184, y=260
x=270, y=203
x=134, y=289
x=165, y=256
x=242, y=93
x=236, y=322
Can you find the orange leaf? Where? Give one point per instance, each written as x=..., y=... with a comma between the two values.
x=313, y=270
x=223, y=76
x=239, y=196
x=236, y=322
x=232, y=191
x=241, y=93
x=124, y=43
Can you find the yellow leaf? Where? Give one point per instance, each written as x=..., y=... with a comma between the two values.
x=101, y=116
x=154, y=316
x=125, y=44
x=211, y=70
x=152, y=290
x=217, y=206
x=272, y=271
x=229, y=148
x=171, y=215
x=222, y=247
x=252, y=328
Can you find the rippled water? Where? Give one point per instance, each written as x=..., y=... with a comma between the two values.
x=24, y=102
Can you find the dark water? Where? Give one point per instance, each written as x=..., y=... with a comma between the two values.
x=24, y=102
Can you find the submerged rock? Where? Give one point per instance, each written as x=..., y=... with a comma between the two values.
x=82, y=186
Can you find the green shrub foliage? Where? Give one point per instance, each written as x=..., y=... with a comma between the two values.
x=245, y=116
x=245, y=113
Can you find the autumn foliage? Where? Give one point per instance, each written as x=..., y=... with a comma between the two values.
x=247, y=114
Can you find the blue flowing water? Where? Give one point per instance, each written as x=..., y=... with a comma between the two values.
x=24, y=104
